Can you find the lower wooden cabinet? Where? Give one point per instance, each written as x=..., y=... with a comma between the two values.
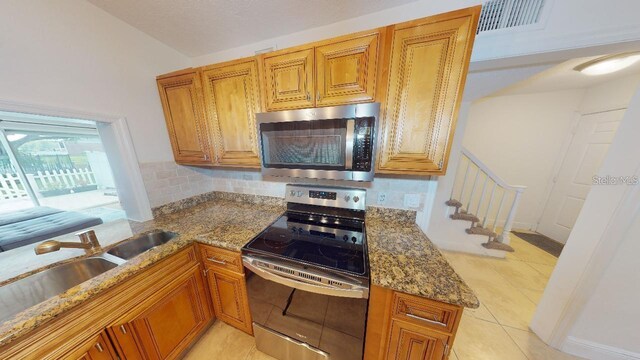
x=171, y=323
x=97, y=348
x=410, y=341
x=407, y=327
x=227, y=287
x=156, y=314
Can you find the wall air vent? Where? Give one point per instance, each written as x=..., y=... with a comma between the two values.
x=503, y=14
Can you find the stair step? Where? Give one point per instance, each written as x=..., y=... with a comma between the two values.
x=453, y=202
x=496, y=245
x=465, y=216
x=479, y=230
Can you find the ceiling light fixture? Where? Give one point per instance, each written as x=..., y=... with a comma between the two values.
x=608, y=64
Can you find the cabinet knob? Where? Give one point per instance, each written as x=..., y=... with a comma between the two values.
x=123, y=329
x=99, y=347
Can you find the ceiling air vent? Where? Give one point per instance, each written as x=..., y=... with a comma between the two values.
x=502, y=14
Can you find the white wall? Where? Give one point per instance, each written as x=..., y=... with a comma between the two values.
x=602, y=245
x=70, y=54
x=519, y=137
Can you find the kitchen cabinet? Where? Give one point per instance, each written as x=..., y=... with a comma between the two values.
x=232, y=99
x=155, y=314
x=406, y=327
x=427, y=63
x=288, y=79
x=181, y=97
x=97, y=348
x=169, y=324
x=327, y=73
x=346, y=71
x=227, y=285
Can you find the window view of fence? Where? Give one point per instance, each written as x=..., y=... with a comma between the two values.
x=56, y=165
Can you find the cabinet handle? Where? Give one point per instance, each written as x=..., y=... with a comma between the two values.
x=99, y=347
x=206, y=157
x=446, y=348
x=318, y=95
x=308, y=96
x=204, y=272
x=214, y=260
x=123, y=329
x=434, y=322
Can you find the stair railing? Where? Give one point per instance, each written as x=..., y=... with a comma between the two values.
x=480, y=207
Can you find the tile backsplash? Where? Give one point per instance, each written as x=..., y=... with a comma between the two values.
x=167, y=182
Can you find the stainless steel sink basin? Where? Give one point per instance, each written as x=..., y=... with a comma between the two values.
x=25, y=293
x=140, y=244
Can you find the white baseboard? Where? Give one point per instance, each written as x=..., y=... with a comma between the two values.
x=595, y=351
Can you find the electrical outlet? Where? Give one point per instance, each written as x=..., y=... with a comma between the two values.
x=412, y=201
x=382, y=198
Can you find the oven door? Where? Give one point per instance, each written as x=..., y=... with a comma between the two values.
x=290, y=323
x=327, y=143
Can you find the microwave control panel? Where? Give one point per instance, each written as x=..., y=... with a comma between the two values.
x=363, y=144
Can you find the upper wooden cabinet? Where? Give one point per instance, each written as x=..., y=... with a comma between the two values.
x=331, y=72
x=346, y=71
x=288, y=80
x=232, y=99
x=181, y=98
x=427, y=67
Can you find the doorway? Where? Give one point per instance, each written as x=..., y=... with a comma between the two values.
x=592, y=136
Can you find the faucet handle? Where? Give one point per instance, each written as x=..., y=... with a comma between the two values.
x=88, y=237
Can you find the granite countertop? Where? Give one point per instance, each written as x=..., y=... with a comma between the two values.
x=401, y=257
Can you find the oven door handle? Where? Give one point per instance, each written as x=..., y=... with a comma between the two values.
x=358, y=292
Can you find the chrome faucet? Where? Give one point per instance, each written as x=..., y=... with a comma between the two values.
x=88, y=242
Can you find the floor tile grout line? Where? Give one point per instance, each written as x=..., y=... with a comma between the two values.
x=515, y=342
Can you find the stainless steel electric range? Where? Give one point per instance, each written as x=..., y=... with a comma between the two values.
x=308, y=282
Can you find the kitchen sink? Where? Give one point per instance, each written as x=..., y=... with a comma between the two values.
x=140, y=244
x=25, y=293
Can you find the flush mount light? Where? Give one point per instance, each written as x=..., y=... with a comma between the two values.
x=608, y=64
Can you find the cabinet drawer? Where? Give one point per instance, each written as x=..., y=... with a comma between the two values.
x=221, y=258
x=435, y=315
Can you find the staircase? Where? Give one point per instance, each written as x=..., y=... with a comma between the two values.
x=485, y=200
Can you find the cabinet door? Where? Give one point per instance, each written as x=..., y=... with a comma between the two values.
x=230, y=301
x=232, y=99
x=346, y=71
x=428, y=64
x=98, y=348
x=181, y=98
x=125, y=341
x=288, y=80
x=169, y=325
x=412, y=342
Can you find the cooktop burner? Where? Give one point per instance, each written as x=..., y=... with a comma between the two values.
x=316, y=239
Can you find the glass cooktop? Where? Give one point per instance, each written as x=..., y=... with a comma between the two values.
x=326, y=241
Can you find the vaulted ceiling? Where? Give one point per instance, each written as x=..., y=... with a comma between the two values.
x=198, y=27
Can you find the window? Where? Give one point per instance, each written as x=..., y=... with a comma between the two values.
x=58, y=170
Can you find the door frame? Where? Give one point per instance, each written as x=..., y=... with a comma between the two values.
x=114, y=133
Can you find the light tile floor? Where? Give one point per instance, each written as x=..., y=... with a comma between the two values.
x=509, y=290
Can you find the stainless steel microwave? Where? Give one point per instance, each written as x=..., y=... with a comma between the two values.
x=336, y=142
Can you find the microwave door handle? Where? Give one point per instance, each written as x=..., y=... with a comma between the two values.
x=348, y=151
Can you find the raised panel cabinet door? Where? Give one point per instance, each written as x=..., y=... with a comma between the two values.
x=412, y=342
x=230, y=301
x=125, y=341
x=428, y=64
x=288, y=80
x=181, y=98
x=346, y=71
x=98, y=348
x=232, y=99
x=169, y=325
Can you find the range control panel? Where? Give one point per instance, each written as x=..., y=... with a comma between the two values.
x=346, y=198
